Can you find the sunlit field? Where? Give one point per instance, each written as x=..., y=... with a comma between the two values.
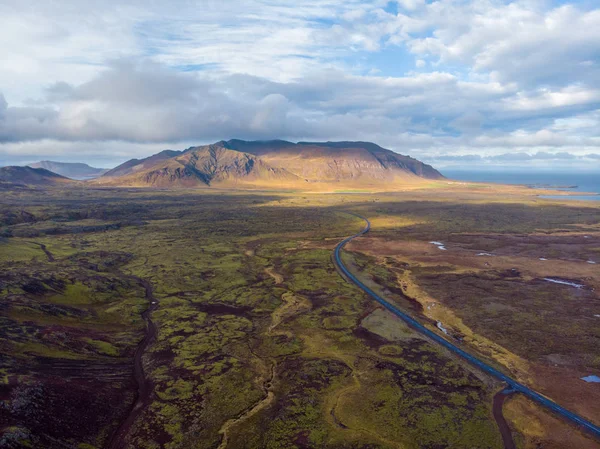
x=251, y=338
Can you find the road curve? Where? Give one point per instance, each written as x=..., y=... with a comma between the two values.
x=513, y=384
x=497, y=405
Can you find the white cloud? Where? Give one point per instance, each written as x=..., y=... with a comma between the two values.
x=492, y=76
x=544, y=99
x=518, y=41
x=411, y=5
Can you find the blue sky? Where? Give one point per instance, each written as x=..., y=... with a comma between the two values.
x=102, y=82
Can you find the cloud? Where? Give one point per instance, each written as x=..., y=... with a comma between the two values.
x=513, y=42
x=519, y=160
x=462, y=158
x=99, y=154
x=137, y=103
x=469, y=122
x=411, y=5
x=147, y=102
x=435, y=79
x=424, y=114
x=3, y=107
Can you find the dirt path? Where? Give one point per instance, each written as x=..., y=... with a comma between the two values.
x=145, y=386
x=49, y=255
x=267, y=386
x=333, y=401
x=507, y=437
x=292, y=305
x=338, y=395
x=276, y=276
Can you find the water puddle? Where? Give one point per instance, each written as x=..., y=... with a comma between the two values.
x=440, y=245
x=562, y=282
x=591, y=379
x=485, y=254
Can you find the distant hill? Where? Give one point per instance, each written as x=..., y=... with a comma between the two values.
x=274, y=164
x=31, y=176
x=71, y=170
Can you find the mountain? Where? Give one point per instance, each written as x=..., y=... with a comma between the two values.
x=198, y=167
x=338, y=161
x=31, y=176
x=70, y=170
x=135, y=165
x=274, y=164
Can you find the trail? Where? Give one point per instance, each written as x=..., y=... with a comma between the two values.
x=276, y=276
x=333, y=403
x=267, y=386
x=518, y=387
x=507, y=437
x=49, y=255
x=291, y=305
x=357, y=429
x=145, y=387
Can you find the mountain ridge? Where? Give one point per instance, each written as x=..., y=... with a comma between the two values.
x=15, y=175
x=122, y=169
x=273, y=164
x=73, y=170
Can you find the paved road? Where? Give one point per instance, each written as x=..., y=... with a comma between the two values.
x=513, y=384
x=503, y=427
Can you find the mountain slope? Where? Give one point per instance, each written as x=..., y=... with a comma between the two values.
x=70, y=170
x=134, y=165
x=31, y=176
x=200, y=167
x=339, y=161
x=275, y=164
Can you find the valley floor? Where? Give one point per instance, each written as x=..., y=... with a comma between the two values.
x=248, y=337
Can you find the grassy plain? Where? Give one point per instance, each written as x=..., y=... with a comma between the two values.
x=260, y=342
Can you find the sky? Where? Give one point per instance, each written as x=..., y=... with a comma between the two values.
x=456, y=83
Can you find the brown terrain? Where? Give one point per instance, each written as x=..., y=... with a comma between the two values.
x=145, y=318
x=274, y=165
x=491, y=291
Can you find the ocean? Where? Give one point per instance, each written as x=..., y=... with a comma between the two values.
x=572, y=182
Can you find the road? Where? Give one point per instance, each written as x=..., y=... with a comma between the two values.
x=497, y=405
x=513, y=384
